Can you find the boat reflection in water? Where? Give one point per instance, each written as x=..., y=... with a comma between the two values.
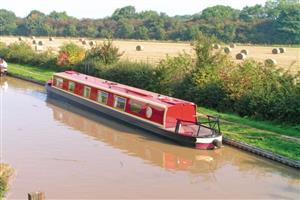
x=135, y=141
x=161, y=152
x=73, y=154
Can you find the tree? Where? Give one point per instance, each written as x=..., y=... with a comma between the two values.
x=34, y=23
x=142, y=33
x=70, y=30
x=158, y=33
x=274, y=7
x=87, y=28
x=125, y=12
x=287, y=25
x=7, y=22
x=219, y=12
x=124, y=30
x=250, y=13
x=59, y=21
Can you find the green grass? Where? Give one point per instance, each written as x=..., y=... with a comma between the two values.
x=283, y=129
x=26, y=71
x=278, y=138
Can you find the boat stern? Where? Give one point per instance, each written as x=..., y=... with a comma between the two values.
x=210, y=143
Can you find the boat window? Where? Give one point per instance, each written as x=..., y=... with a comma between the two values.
x=71, y=86
x=59, y=82
x=136, y=106
x=87, y=92
x=120, y=102
x=102, y=97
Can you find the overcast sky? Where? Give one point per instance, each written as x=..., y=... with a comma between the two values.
x=103, y=8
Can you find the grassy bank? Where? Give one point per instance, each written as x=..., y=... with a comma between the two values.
x=274, y=137
x=26, y=71
x=5, y=173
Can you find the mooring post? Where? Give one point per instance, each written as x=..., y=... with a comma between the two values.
x=36, y=196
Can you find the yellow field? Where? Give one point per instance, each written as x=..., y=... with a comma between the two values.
x=155, y=51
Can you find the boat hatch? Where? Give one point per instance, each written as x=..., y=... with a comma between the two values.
x=210, y=127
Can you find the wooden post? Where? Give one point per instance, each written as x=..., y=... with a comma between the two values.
x=36, y=196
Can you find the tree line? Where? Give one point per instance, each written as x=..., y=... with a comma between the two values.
x=276, y=22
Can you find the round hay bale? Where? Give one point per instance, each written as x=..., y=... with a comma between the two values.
x=92, y=43
x=245, y=51
x=32, y=37
x=51, y=39
x=275, y=51
x=83, y=42
x=81, y=39
x=282, y=50
x=240, y=56
x=232, y=45
x=227, y=50
x=139, y=48
x=270, y=61
x=33, y=41
x=217, y=46
x=41, y=43
x=21, y=39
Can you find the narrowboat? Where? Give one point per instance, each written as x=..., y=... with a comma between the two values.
x=169, y=117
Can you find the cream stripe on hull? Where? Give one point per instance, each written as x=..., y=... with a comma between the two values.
x=147, y=121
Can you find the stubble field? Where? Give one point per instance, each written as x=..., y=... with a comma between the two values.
x=154, y=51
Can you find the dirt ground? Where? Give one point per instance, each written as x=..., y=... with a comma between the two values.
x=154, y=51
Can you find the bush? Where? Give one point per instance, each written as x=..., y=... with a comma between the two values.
x=70, y=54
x=250, y=88
x=45, y=59
x=171, y=72
x=19, y=53
x=136, y=74
x=262, y=91
x=3, y=50
x=105, y=53
x=204, y=85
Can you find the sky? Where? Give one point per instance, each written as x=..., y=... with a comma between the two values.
x=103, y=8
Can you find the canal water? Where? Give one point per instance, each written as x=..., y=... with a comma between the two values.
x=71, y=154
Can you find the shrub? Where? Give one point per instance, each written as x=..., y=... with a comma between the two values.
x=3, y=50
x=45, y=59
x=204, y=84
x=250, y=88
x=105, y=53
x=263, y=91
x=70, y=54
x=137, y=74
x=19, y=53
x=172, y=71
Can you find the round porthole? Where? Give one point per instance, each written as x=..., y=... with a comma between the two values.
x=148, y=112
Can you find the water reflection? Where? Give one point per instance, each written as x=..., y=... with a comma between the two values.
x=70, y=153
x=135, y=142
x=23, y=87
x=160, y=152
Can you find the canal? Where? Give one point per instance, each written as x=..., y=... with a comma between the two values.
x=69, y=153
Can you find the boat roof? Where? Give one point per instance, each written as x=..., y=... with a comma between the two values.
x=121, y=89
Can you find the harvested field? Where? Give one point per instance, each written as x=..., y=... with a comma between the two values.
x=153, y=51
